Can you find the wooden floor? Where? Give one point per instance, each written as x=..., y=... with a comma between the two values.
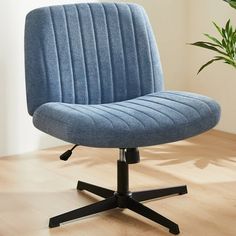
x=36, y=186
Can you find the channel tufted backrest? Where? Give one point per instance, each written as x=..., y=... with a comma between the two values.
x=89, y=54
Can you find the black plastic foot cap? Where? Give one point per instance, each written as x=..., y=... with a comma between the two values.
x=53, y=224
x=79, y=187
x=174, y=230
x=184, y=191
x=66, y=155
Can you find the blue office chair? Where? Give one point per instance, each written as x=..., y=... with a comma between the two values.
x=94, y=78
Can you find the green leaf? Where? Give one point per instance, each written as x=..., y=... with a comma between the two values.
x=227, y=26
x=224, y=43
x=232, y=3
x=230, y=31
x=213, y=39
x=208, y=43
x=223, y=33
x=207, y=64
x=205, y=45
x=218, y=28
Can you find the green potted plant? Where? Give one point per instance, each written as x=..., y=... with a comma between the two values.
x=225, y=46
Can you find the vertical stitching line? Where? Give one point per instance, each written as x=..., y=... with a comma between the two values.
x=96, y=49
x=103, y=108
x=198, y=99
x=123, y=48
x=110, y=51
x=57, y=53
x=139, y=111
x=150, y=51
x=45, y=66
x=173, y=100
x=79, y=111
x=70, y=51
x=93, y=108
x=126, y=113
x=157, y=111
x=84, y=55
x=162, y=104
x=136, y=49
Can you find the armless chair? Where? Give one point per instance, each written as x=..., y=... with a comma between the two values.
x=94, y=78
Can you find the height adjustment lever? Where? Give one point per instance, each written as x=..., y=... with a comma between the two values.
x=66, y=155
x=132, y=155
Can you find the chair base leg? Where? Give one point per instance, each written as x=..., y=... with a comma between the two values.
x=114, y=199
x=104, y=205
x=158, y=193
x=102, y=192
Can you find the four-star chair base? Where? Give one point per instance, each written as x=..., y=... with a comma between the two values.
x=122, y=198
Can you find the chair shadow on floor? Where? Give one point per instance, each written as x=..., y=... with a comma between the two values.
x=198, y=151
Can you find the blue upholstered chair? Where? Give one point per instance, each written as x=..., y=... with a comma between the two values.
x=94, y=78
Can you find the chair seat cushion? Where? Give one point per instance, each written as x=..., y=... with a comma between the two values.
x=152, y=119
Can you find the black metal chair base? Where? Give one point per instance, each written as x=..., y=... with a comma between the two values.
x=128, y=200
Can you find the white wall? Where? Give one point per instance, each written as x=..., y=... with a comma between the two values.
x=218, y=80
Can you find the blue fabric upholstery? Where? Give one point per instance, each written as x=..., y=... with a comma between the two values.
x=94, y=78
x=152, y=119
x=89, y=54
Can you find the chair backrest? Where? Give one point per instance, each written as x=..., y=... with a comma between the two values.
x=89, y=54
